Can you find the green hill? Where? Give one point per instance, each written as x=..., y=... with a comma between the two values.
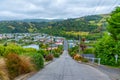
x=88, y=24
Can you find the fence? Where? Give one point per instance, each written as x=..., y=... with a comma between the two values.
x=93, y=59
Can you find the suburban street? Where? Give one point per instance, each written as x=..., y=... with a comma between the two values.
x=65, y=68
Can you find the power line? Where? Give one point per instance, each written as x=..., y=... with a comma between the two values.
x=114, y=5
x=94, y=10
x=99, y=3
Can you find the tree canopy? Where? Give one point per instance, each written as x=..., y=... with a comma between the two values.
x=114, y=24
x=107, y=47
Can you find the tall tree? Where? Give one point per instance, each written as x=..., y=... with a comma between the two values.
x=114, y=24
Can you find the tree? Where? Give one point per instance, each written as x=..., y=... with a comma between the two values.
x=106, y=48
x=109, y=45
x=114, y=24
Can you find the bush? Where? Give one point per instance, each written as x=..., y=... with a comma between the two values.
x=58, y=50
x=49, y=57
x=43, y=52
x=38, y=60
x=3, y=70
x=106, y=49
x=16, y=66
x=77, y=57
x=84, y=60
x=74, y=49
x=72, y=54
x=88, y=51
x=11, y=48
x=29, y=50
x=2, y=50
x=3, y=76
x=27, y=63
x=56, y=55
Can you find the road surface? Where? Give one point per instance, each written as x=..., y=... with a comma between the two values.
x=65, y=68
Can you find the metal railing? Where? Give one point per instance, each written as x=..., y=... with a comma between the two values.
x=93, y=59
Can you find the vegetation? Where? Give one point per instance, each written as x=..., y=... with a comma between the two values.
x=13, y=48
x=84, y=26
x=74, y=50
x=70, y=28
x=75, y=55
x=3, y=76
x=3, y=71
x=49, y=57
x=43, y=52
x=73, y=33
x=108, y=46
x=114, y=24
x=89, y=51
x=16, y=66
x=20, y=60
x=38, y=60
x=56, y=55
x=2, y=50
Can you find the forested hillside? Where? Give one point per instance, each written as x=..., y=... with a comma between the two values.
x=87, y=25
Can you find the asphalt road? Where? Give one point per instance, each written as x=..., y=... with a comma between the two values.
x=65, y=68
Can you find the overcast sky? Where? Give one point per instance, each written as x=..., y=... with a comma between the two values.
x=54, y=9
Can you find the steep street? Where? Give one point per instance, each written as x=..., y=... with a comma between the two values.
x=65, y=68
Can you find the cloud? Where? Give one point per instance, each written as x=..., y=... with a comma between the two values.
x=22, y=9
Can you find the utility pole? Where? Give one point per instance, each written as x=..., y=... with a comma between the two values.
x=79, y=43
x=51, y=46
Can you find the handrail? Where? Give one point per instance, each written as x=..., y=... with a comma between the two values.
x=93, y=59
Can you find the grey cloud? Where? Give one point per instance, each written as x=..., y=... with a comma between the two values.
x=19, y=9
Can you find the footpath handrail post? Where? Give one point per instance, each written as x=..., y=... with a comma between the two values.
x=99, y=61
x=93, y=60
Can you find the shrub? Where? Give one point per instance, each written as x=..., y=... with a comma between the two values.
x=29, y=50
x=13, y=49
x=2, y=50
x=57, y=55
x=27, y=61
x=38, y=60
x=106, y=49
x=49, y=57
x=16, y=66
x=84, y=60
x=3, y=70
x=25, y=65
x=58, y=50
x=72, y=54
x=77, y=57
x=43, y=52
x=3, y=76
x=88, y=51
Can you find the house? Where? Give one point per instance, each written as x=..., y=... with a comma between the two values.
x=71, y=43
x=59, y=43
x=53, y=46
